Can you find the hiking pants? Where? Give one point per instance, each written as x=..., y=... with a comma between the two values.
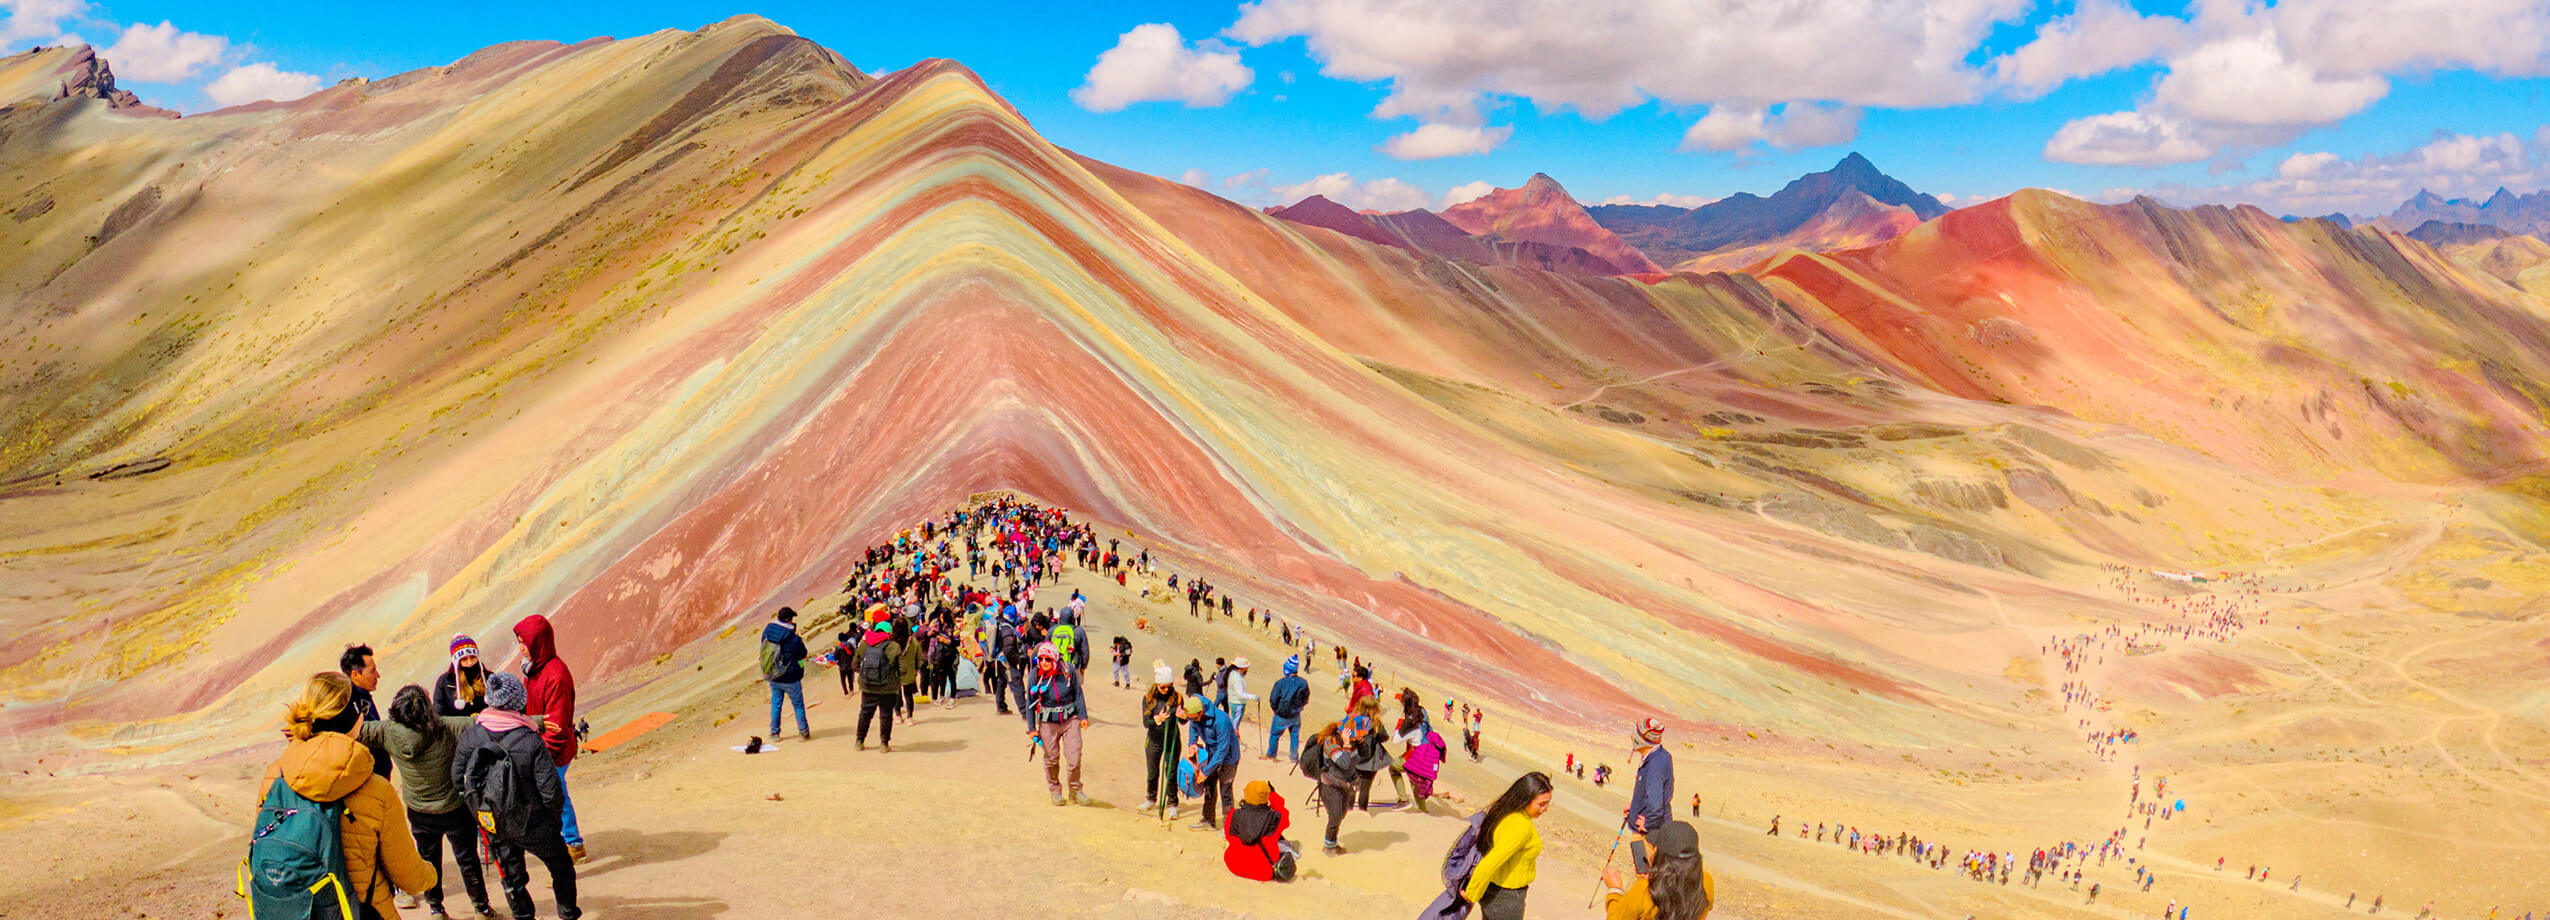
x=1363, y=789
x=869, y=705
x=552, y=852
x=1502, y=903
x=566, y=815
x=909, y=691
x=795, y=692
x=1335, y=799
x=996, y=683
x=848, y=679
x=1062, y=745
x=1160, y=767
x=1216, y=787
x=1124, y=673
x=461, y=829
x=1018, y=696
x=1282, y=727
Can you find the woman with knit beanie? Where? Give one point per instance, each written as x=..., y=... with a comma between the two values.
x=461, y=690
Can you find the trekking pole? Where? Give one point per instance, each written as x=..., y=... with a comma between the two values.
x=1607, y=858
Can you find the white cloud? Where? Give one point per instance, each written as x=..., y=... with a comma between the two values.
x=2096, y=37
x=39, y=20
x=2126, y=139
x=1152, y=63
x=260, y=81
x=1663, y=198
x=1194, y=177
x=2453, y=165
x=1384, y=194
x=2305, y=165
x=1795, y=125
x=1446, y=61
x=1434, y=141
x=1467, y=192
x=2248, y=80
x=162, y=53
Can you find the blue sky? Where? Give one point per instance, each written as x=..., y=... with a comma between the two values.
x=2336, y=104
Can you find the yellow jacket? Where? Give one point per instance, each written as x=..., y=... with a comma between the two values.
x=1638, y=904
x=380, y=855
x=1512, y=859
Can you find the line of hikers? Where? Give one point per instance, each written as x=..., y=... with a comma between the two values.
x=481, y=763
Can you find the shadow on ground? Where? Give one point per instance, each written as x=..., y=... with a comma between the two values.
x=614, y=849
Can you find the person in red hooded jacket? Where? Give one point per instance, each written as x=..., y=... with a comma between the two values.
x=1254, y=834
x=553, y=700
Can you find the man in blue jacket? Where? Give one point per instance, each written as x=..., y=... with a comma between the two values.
x=783, y=664
x=1285, y=701
x=1217, y=758
x=1651, y=797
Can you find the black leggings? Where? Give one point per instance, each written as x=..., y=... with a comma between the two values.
x=869, y=705
x=461, y=829
x=1335, y=799
x=909, y=691
x=1502, y=903
x=552, y=852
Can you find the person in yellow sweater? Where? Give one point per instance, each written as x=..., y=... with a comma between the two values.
x=1509, y=848
x=1675, y=887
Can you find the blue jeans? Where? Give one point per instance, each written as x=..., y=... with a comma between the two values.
x=567, y=815
x=1277, y=730
x=793, y=691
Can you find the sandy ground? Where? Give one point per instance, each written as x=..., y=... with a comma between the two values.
x=681, y=827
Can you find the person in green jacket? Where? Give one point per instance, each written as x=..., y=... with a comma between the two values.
x=421, y=745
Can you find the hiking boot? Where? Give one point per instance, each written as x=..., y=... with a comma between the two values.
x=407, y=902
x=1333, y=850
x=1202, y=826
x=1149, y=805
x=483, y=908
x=805, y=736
x=1058, y=800
x=1078, y=799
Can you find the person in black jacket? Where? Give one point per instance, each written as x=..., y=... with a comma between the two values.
x=1160, y=707
x=1290, y=695
x=787, y=670
x=503, y=738
x=461, y=690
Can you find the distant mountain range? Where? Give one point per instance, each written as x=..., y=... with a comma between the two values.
x=1539, y=224
x=1848, y=206
x=2519, y=213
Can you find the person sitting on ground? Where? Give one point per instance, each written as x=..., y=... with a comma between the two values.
x=461, y=690
x=1675, y=887
x=1254, y=836
x=324, y=763
x=504, y=739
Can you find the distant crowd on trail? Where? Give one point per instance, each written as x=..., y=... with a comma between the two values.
x=481, y=764
x=949, y=609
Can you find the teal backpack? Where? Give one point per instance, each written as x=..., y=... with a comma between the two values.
x=295, y=868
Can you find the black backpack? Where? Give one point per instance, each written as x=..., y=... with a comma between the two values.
x=503, y=793
x=877, y=667
x=1314, y=759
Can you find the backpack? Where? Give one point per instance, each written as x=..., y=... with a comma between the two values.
x=1313, y=760
x=769, y=659
x=1066, y=641
x=296, y=860
x=877, y=667
x=1463, y=857
x=502, y=793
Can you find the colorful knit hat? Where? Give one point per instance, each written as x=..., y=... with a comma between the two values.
x=463, y=646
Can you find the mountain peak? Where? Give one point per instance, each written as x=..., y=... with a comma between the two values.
x=1542, y=212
